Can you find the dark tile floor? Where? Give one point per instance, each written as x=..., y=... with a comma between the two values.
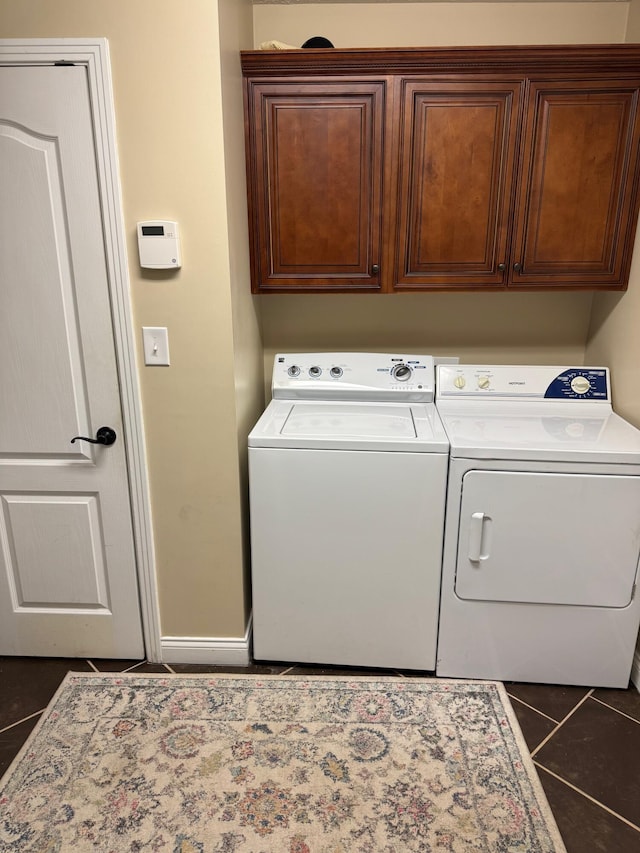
x=585, y=742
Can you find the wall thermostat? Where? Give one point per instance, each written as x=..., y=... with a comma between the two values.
x=159, y=245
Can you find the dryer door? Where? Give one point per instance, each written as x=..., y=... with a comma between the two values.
x=548, y=538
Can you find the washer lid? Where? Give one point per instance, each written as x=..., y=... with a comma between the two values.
x=350, y=426
x=522, y=432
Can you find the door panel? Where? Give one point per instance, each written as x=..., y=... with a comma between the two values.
x=548, y=538
x=316, y=187
x=56, y=552
x=576, y=196
x=68, y=582
x=40, y=343
x=456, y=174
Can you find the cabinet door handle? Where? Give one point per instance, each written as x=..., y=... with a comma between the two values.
x=502, y=267
x=375, y=269
x=517, y=267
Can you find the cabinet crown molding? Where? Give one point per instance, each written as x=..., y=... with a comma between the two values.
x=614, y=59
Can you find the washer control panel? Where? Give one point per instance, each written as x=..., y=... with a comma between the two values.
x=353, y=376
x=522, y=382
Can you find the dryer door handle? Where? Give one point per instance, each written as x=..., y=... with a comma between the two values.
x=476, y=536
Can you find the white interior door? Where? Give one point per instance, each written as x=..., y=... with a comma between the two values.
x=68, y=581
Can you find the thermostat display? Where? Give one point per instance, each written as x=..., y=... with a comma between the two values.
x=159, y=245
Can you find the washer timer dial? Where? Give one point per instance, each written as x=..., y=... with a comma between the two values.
x=401, y=372
x=459, y=382
x=483, y=381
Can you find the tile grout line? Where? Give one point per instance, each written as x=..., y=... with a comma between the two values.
x=587, y=796
x=531, y=708
x=617, y=710
x=287, y=670
x=131, y=668
x=23, y=720
x=562, y=722
x=92, y=665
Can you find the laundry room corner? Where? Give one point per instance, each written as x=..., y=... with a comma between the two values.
x=613, y=340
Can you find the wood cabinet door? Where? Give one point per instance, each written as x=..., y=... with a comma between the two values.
x=456, y=165
x=576, y=210
x=315, y=184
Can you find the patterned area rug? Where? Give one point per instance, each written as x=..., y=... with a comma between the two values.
x=224, y=764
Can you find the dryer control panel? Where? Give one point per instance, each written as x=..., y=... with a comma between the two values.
x=523, y=382
x=353, y=376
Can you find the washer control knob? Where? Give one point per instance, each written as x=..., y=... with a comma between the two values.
x=336, y=372
x=459, y=382
x=314, y=372
x=483, y=381
x=401, y=372
x=294, y=370
x=580, y=384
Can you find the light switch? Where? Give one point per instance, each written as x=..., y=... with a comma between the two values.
x=156, y=345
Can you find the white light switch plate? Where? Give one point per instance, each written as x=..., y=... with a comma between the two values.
x=156, y=345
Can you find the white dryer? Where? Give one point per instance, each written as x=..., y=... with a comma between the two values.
x=542, y=534
x=347, y=480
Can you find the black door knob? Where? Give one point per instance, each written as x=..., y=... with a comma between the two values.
x=502, y=267
x=105, y=435
x=517, y=267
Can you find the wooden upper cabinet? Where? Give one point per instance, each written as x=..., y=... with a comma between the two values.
x=444, y=168
x=576, y=203
x=457, y=154
x=315, y=191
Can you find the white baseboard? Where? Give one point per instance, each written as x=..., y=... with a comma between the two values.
x=221, y=651
x=635, y=668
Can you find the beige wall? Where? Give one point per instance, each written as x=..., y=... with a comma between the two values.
x=613, y=335
x=236, y=33
x=453, y=23
x=513, y=327
x=613, y=341
x=633, y=22
x=165, y=60
x=477, y=327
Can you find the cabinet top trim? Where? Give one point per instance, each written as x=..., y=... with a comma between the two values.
x=525, y=59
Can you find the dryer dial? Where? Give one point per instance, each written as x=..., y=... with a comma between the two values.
x=580, y=384
x=294, y=370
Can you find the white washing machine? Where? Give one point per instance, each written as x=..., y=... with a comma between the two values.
x=542, y=533
x=347, y=481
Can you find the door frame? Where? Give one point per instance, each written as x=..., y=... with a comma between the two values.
x=93, y=53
